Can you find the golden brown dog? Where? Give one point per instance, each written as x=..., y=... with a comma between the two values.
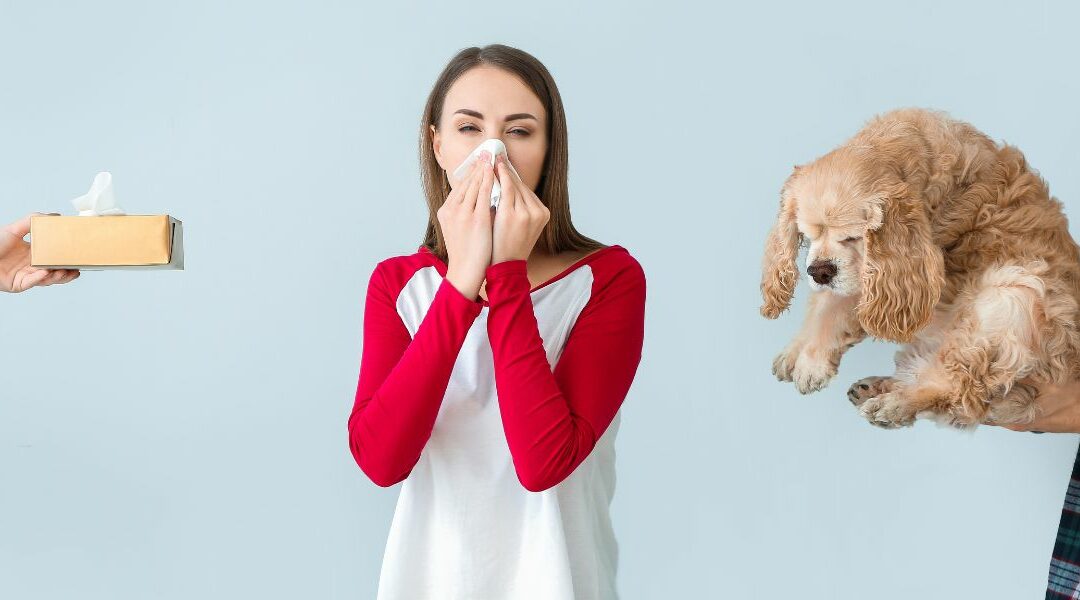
x=921, y=230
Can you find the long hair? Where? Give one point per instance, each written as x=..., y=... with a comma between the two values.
x=559, y=234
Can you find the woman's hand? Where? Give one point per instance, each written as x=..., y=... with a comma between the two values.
x=1057, y=408
x=520, y=219
x=465, y=219
x=16, y=274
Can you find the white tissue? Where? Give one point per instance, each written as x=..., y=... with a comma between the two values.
x=495, y=146
x=99, y=200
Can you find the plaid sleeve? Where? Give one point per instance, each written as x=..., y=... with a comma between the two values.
x=1064, y=578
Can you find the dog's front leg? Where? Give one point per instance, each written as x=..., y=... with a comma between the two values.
x=829, y=329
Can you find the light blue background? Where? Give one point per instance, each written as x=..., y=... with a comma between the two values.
x=182, y=435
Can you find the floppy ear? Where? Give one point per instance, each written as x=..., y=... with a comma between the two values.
x=903, y=270
x=779, y=274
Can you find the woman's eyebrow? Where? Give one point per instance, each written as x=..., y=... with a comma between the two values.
x=513, y=117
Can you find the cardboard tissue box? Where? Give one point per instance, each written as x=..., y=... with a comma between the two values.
x=103, y=237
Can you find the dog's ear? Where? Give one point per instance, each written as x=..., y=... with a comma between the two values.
x=779, y=273
x=903, y=270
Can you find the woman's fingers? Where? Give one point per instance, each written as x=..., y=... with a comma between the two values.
x=510, y=167
x=477, y=177
x=483, y=195
x=509, y=189
x=528, y=200
x=463, y=184
x=521, y=191
x=457, y=192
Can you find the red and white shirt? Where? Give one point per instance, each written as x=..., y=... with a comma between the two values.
x=500, y=417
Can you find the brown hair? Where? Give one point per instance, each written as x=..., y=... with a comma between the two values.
x=559, y=234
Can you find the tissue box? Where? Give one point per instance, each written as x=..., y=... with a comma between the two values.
x=106, y=242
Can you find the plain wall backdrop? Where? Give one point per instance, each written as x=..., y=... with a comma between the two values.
x=183, y=434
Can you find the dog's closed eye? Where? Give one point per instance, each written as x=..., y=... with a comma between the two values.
x=852, y=239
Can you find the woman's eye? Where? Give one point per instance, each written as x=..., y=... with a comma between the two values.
x=518, y=132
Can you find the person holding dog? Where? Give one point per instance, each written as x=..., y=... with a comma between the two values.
x=1057, y=410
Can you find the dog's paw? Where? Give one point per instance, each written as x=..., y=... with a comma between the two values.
x=888, y=411
x=867, y=388
x=783, y=366
x=811, y=375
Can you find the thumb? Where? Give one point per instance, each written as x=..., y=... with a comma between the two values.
x=20, y=228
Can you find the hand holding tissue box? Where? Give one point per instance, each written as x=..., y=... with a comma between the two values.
x=104, y=237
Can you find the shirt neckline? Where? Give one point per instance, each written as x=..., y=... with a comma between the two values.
x=441, y=266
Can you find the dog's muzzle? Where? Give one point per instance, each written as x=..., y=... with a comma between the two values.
x=822, y=271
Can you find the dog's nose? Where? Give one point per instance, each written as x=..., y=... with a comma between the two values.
x=822, y=271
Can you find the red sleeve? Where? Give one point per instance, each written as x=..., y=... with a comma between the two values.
x=402, y=381
x=553, y=419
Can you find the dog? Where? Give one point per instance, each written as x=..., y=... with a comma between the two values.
x=922, y=230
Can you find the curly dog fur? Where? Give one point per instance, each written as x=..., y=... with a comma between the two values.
x=922, y=230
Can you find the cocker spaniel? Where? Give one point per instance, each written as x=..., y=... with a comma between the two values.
x=921, y=230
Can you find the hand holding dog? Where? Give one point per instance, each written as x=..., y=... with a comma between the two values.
x=1057, y=409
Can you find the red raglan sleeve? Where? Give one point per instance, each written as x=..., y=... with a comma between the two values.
x=402, y=381
x=552, y=419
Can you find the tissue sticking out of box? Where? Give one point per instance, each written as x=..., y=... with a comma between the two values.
x=99, y=200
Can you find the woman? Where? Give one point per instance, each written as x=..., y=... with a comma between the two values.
x=508, y=464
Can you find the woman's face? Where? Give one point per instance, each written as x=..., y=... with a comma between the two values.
x=488, y=102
